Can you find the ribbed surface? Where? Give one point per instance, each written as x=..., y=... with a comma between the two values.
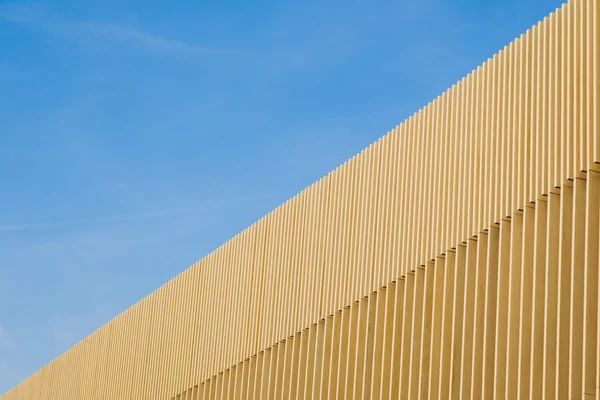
x=511, y=313
x=468, y=208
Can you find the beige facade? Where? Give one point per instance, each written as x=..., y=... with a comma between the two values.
x=456, y=257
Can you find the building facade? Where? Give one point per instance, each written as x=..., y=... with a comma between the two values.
x=456, y=257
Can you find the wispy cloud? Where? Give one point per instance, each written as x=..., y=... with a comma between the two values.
x=166, y=212
x=67, y=328
x=450, y=57
x=5, y=341
x=38, y=17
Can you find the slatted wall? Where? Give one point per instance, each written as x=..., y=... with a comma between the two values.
x=456, y=257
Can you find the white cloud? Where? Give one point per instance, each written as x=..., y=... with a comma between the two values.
x=15, y=227
x=38, y=17
x=207, y=207
x=450, y=57
x=5, y=341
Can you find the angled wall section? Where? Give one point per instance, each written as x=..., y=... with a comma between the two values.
x=466, y=220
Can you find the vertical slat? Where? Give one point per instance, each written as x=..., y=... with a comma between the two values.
x=379, y=340
x=240, y=372
x=551, y=299
x=292, y=393
x=246, y=380
x=526, y=306
x=590, y=286
x=467, y=336
x=489, y=329
x=340, y=389
x=457, y=319
x=369, y=345
x=302, y=362
x=218, y=383
x=350, y=358
x=336, y=348
x=225, y=385
x=501, y=345
x=514, y=273
x=318, y=360
x=360, y=347
x=326, y=360
x=447, y=331
x=478, y=318
x=426, y=327
x=577, y=288
x=396, y=356
x=406, y=327
x=564, y=292
x=388, y=343
x=310, y=360
x=436, y=326
x=539, y=291
x=284, y=379
x=277, y=368
x=416, y=334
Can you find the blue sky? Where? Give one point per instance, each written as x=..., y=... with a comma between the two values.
x=136, y=137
